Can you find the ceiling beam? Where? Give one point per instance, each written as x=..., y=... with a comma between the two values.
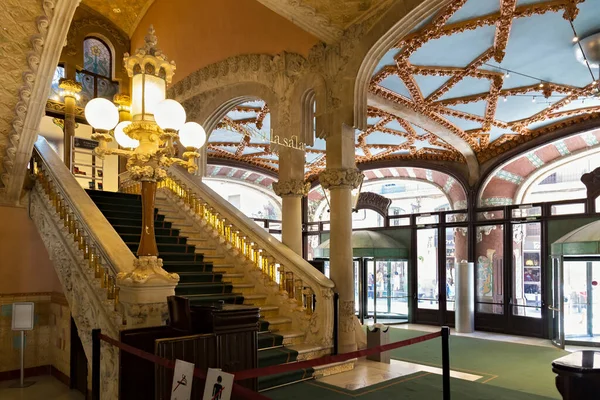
x=443, y=132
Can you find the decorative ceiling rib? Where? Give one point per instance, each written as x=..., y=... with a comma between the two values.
x=455, y=70
x=243, y=136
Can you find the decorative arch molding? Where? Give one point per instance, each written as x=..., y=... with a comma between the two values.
x=208, y=108
x=242, y=165
x=382, y=38
x=509, y=180
x=548, y=169
x=274, y=72
x=51, y=27
x=372, y=48
x=455, y=170
x=565, y=129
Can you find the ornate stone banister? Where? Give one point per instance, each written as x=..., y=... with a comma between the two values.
x=297, y=277
x=114, y=252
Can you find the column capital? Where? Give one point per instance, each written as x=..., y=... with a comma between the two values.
x=122, y=100
x=69, y=87
x=291, y=187
x=347, y=178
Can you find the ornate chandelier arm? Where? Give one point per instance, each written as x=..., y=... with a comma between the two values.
x=189, y=162
x=102, y=152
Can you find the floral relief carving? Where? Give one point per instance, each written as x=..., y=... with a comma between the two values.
x=349, y=178
x=21, y=61
x=291, y=187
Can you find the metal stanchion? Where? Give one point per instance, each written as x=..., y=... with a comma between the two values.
x=446, y=362
x=96, y=364
x=336, y=313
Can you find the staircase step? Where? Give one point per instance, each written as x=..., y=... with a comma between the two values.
x=215, y=258
x=114, y=196
x=129, y=214
x=269, y=340
x=279, y=323
x=233, y=277
x=255, y=299
x=292, y=337
x=277, y=356
x=195, y=288
x=285, y=378
x=168, y=248
x=181, y=257
x=207, y=299
x=269, y=311
x=132, y=222
x=160, y=239
x=183, y=267
x=137, y=230
x=199, y=277
x=244, y=288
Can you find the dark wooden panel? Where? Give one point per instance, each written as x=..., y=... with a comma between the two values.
x=201, y=350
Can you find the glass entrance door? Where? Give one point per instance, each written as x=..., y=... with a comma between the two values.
x=381, y=290
x=555, y=309
x=581, y=301
x=391, y=290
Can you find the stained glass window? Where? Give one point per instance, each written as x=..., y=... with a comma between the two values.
x=96, y=57
x=54, y=89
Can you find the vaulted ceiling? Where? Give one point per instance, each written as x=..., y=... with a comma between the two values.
x=495, y=73
x=125, y=14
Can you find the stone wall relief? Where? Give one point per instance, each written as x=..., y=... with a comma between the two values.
x=89, y=307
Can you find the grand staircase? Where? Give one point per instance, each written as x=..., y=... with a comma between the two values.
x=207, y=278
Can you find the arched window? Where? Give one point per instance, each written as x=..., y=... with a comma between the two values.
x=96, y=76
x=97, y=57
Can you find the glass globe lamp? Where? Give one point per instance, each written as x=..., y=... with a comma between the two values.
x=122, y=138
x=101, y=114
x=169, y=115
x=192, y=135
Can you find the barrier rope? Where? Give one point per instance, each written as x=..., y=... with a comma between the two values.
x=276, y=369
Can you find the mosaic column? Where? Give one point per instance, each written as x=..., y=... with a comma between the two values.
x=340, y=177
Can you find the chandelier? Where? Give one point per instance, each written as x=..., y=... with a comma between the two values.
x=149, y=141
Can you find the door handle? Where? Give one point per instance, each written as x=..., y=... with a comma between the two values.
x=553, y=308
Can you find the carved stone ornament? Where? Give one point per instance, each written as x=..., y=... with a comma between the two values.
x=347, y=311
x=87, y=301
x=291, y=187
x=71, y=48
x=373, y=201
x=348, y=178
x=70, y=85
x=147, y=270
x=21, y=11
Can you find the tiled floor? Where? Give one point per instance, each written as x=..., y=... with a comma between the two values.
x=367, y=373
x=45, y=387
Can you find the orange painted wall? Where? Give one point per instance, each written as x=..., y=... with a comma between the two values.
x=24, y=263
x=196, y=33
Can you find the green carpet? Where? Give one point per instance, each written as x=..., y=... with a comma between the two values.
x=509, y=372
x=508, y=365
x=420, y=386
